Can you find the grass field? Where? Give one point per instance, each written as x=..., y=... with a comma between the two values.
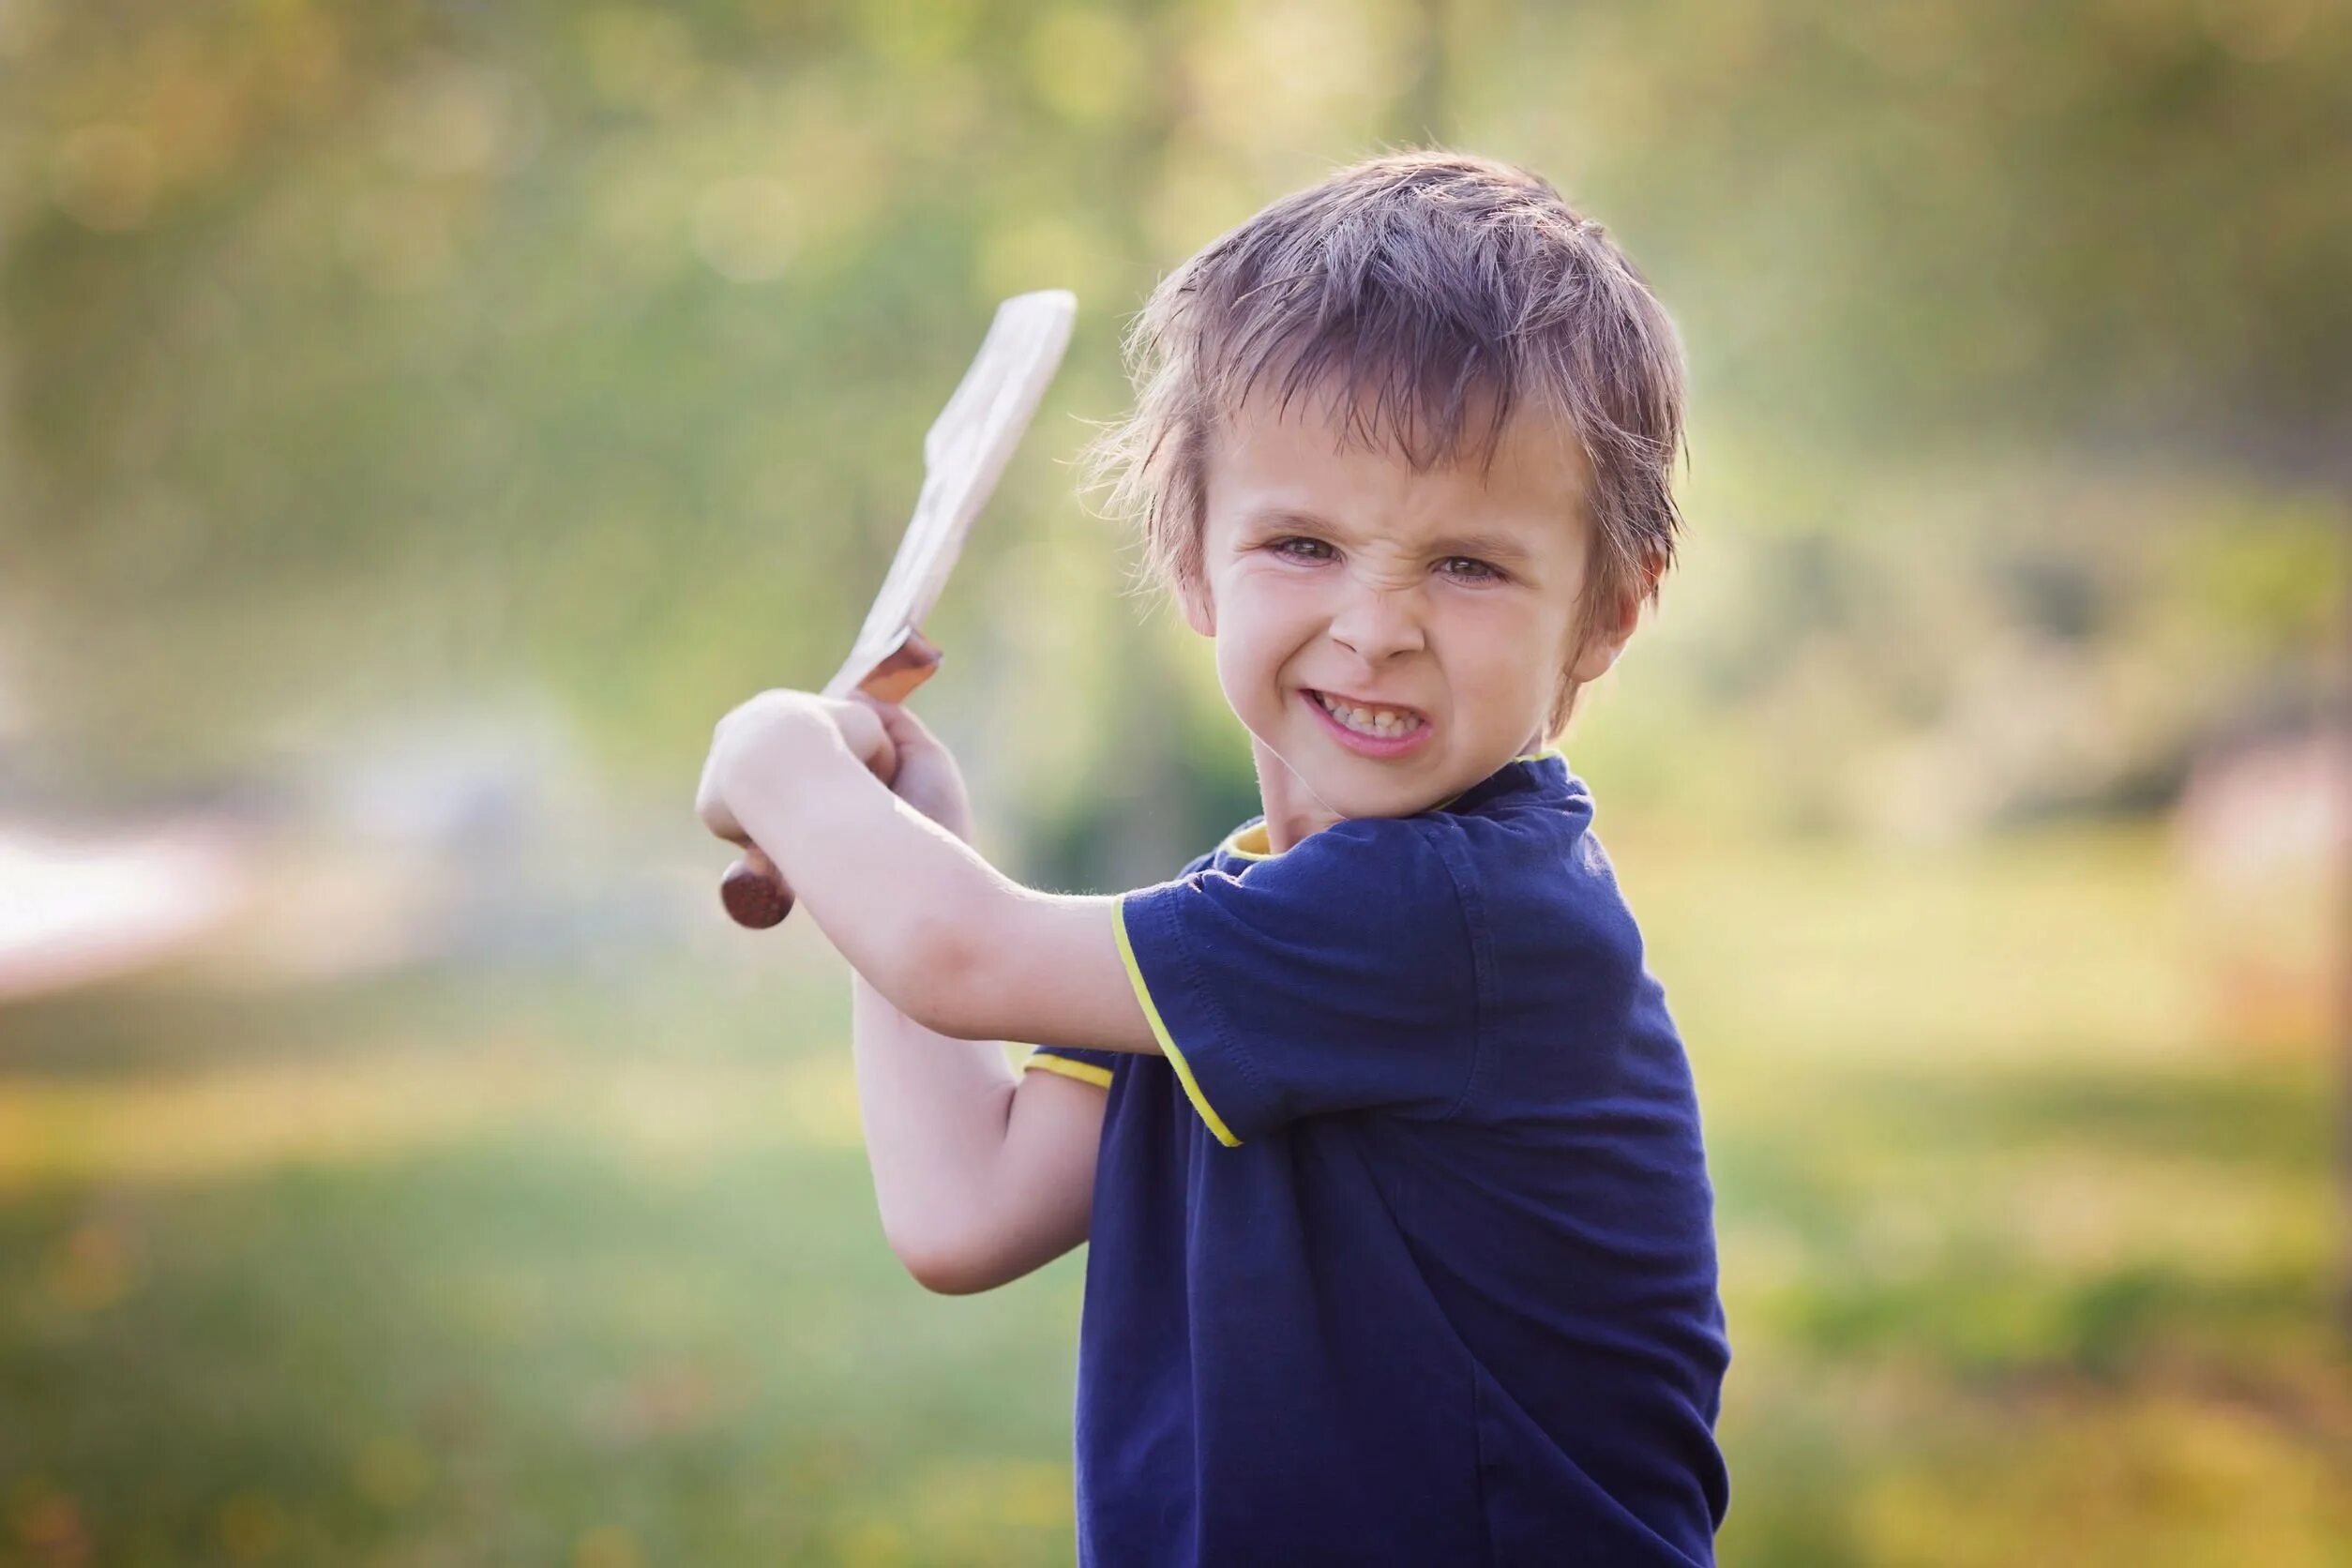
x=2023, y=1171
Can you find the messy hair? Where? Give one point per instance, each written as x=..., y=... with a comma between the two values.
x=1428, y=295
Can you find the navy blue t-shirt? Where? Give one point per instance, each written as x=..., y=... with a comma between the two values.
x=1404, y=1253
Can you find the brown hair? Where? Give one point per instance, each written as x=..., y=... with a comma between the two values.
x=1431, y=293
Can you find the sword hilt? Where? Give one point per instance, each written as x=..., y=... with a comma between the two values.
x=754, y=892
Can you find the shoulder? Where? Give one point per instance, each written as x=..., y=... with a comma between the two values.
x=1369, y=864
x=1534, y=867
x=1360, y=886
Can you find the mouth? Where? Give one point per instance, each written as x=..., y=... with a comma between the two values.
x=1371, y=729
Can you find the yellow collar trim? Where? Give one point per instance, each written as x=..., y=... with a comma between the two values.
x=1252, y=843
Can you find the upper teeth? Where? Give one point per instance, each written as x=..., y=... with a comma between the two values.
x=1371, y=721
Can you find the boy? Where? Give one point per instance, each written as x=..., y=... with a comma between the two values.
x=1402, y=1244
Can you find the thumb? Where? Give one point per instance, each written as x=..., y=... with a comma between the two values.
x=906, y=731
x=867, y=736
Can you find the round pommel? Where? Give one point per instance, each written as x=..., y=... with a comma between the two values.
x=753, y=897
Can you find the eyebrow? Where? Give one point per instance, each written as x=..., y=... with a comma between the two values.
x=1485, y=543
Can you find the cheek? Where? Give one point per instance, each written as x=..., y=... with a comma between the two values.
x=1250, y=666
x=1258, y=620
x=1241, y=661
x=1502, y=654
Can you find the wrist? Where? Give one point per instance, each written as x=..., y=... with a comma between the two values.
x=960, y=827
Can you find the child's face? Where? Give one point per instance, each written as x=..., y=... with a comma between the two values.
x=1452, y=594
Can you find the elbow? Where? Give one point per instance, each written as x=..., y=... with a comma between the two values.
x=939, y=985
x=943, y=1272
x=943, y=1246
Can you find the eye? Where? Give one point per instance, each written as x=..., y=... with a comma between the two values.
x=1479, y=571
x=1282, y=547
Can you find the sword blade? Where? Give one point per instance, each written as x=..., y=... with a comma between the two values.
x=963, y=457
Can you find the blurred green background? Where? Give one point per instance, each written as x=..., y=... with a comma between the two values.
x=422, y=421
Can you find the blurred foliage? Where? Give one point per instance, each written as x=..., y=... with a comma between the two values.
x=416, y=355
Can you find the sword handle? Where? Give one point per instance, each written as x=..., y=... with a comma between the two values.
x=753, y=890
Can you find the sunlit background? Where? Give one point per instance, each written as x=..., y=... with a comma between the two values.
x=422, y=421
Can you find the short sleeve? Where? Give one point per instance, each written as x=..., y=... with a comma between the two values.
x=1338, y=975
x=1080, y=1062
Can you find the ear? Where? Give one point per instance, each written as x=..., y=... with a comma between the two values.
x=1613, y=628
x=1200, y=613
x=1605, y=641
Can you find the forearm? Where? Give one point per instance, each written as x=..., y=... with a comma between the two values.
x=946, y=939
x=935, y=1112
x=889, y=887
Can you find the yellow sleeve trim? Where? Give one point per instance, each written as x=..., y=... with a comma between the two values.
x=1085, y=1072
x=1159, y=1030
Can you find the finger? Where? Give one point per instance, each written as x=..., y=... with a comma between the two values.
x=721, y=822
x=710, y=809
x=906, y=731
x=868, y=736
x=885, y=713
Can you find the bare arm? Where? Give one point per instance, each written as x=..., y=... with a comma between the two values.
x=1045, y=1179
x=934, y=1110
x=981, y=1174
x=947, y=938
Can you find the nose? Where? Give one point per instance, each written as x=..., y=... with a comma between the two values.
x=1378, y=622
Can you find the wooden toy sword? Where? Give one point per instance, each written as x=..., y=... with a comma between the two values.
x=963, y=457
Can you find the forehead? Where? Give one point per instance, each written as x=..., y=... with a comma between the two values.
x=1314, y=460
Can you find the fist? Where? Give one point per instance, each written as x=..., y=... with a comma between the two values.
x=764, y=746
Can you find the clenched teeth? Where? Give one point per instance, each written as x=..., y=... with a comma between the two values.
x=1385, y=722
